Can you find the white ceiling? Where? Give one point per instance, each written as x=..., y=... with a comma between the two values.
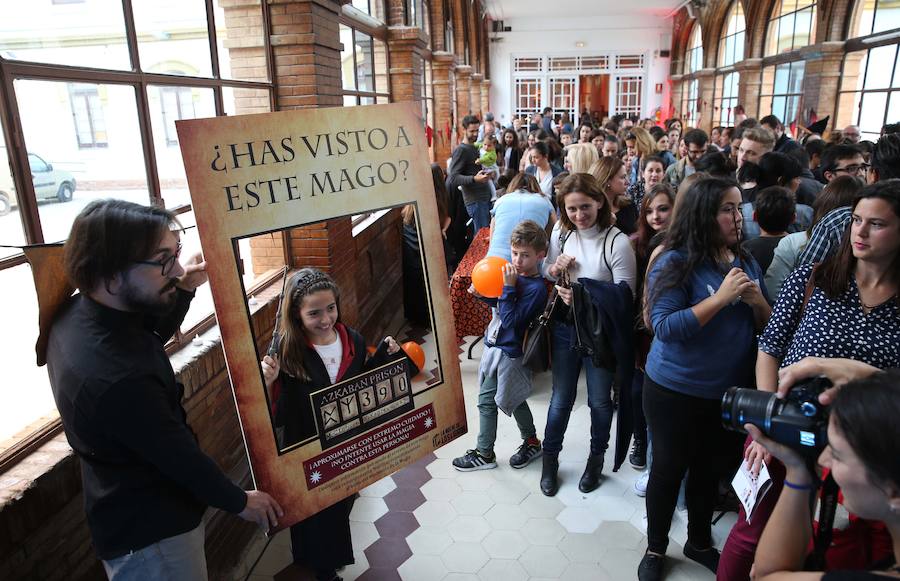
x=510, y=9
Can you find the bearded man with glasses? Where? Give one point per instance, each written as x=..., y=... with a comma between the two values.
x=146, y=481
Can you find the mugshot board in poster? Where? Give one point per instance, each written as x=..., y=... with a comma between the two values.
x=299, y=197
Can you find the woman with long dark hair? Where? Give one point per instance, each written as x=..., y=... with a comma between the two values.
x=846, y=307
x=610, y=175
x=510, y=154
x=706, y=304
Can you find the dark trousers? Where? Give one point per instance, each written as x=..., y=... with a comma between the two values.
x=687, y=437
x=322, y=541
x=637, y=406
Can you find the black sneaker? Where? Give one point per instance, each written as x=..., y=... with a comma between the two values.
x=473, y=460
x=651, y=567
x=709, y=558
x=638, y=456
x=525, y=454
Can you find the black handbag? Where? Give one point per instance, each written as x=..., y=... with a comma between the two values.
x=536, y=343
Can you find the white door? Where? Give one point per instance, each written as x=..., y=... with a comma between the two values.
x=563, y=93
x=626, y=98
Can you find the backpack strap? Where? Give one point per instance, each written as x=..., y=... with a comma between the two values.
x=605, y=258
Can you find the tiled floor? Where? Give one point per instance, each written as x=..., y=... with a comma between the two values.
x=430, y=522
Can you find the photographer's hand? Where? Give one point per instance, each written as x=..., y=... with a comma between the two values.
x=789, y=457
x=755, y=455
x=838, y=371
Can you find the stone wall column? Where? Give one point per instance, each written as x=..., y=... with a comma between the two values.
x=707, y=78
x=463, y=76
x=750, y=85
x=407, y=45
x=443, y=69
x=486, y=95
x=475, y=94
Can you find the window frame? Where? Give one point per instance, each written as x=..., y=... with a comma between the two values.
x=139, y=80
x=777, y=20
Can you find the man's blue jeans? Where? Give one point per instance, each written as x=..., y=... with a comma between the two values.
x=567, y=365
x=178, y=557
x=480, y=212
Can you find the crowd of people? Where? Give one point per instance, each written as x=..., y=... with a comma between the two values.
x=742, y=255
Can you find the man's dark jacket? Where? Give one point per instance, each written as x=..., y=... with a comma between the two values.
x=145, y=478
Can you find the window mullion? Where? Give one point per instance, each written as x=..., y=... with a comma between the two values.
x=131, y=35
x=213, y=45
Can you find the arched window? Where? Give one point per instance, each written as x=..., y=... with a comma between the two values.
x=731, y=43
x=791, y=26
x=869, y=96
x=689, y=114
x=693, y=59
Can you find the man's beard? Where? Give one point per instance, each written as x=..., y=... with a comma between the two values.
x=141, y=300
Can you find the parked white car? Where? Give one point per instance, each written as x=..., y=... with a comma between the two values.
x=49, y=184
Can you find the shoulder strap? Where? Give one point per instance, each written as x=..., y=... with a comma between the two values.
x=810, y=287
x=563, y=236
x=605, y=259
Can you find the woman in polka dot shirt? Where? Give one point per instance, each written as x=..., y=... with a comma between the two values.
x=846, y=307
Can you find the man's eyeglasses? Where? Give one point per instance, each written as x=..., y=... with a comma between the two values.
x=854, y=169
x=167, y=265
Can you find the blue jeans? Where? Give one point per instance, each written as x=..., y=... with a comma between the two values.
x=480, y=212
x=178, y=557
x=567, y=365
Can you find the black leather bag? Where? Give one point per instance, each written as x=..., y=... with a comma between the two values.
x=536, y=343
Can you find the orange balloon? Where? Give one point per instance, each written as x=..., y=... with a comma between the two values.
x=414, y=351
x=487, y=276
x=371, y=350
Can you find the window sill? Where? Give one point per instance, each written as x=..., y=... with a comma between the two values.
x=371, y=219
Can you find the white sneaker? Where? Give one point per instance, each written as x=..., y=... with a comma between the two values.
x=640, y=485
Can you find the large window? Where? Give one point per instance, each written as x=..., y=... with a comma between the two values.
x=693, y=61
x=364, y=67
x=870, y=81
x=726, y=98
x=628, y=95
x=792, y=26
x=528, y=96
x=96, y=120
x=731, y=44
x=782, y=89
x=690, y=103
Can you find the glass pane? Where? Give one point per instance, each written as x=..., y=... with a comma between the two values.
x=785, y=34
x=381, y=67
x=25, y=395
x=90, y=34
x=367, y=100
x=362, y=5
x=167, y=105
x=803, y=28
x=894, y=109
x=245, y=101
x=202, y=305
x=240, y=41
x=795, y=84
x=778, y=106
x=871, y=113
x=348, y=81
x=364, y=72
x=782, y=74
x=11, y=231
x=349, y=100
x=864, y=25
x=172, y=37
x=887, y=17
x=90, y=137
x=881, y=65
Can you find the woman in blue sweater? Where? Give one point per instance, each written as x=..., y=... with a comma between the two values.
x=706, y=302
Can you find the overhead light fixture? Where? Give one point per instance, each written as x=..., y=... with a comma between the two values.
x=580, y=44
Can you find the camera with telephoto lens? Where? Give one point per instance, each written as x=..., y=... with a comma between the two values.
x=798, y=421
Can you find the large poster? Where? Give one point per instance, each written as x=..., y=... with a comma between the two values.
x=277, y=172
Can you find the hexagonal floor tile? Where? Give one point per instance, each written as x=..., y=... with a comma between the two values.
x=585, y=572
x=429, y=541
x=368, y=509
x=579, y=519
x=363, y=534
x=435, y=513
x=396, y=524
x=477, y=481
x=472, y=503
x=578, y=547
x=613, y=509
x=442, y=468
x=619, y=535
x=460, y=577
x=404, y=499
x=509, y=492
x=506, y=517
x=544, y=562
x=464, y=557
x=440, y=489
x=411, y=477
x=468, y=529
x=536, y=505
x=387, y=553
x=502, y=570
x=504, y=544
x=423, y=568
x=543, y=531
x=379, y=489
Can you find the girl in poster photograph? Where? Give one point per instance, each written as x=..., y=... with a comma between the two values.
x=316, y=351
